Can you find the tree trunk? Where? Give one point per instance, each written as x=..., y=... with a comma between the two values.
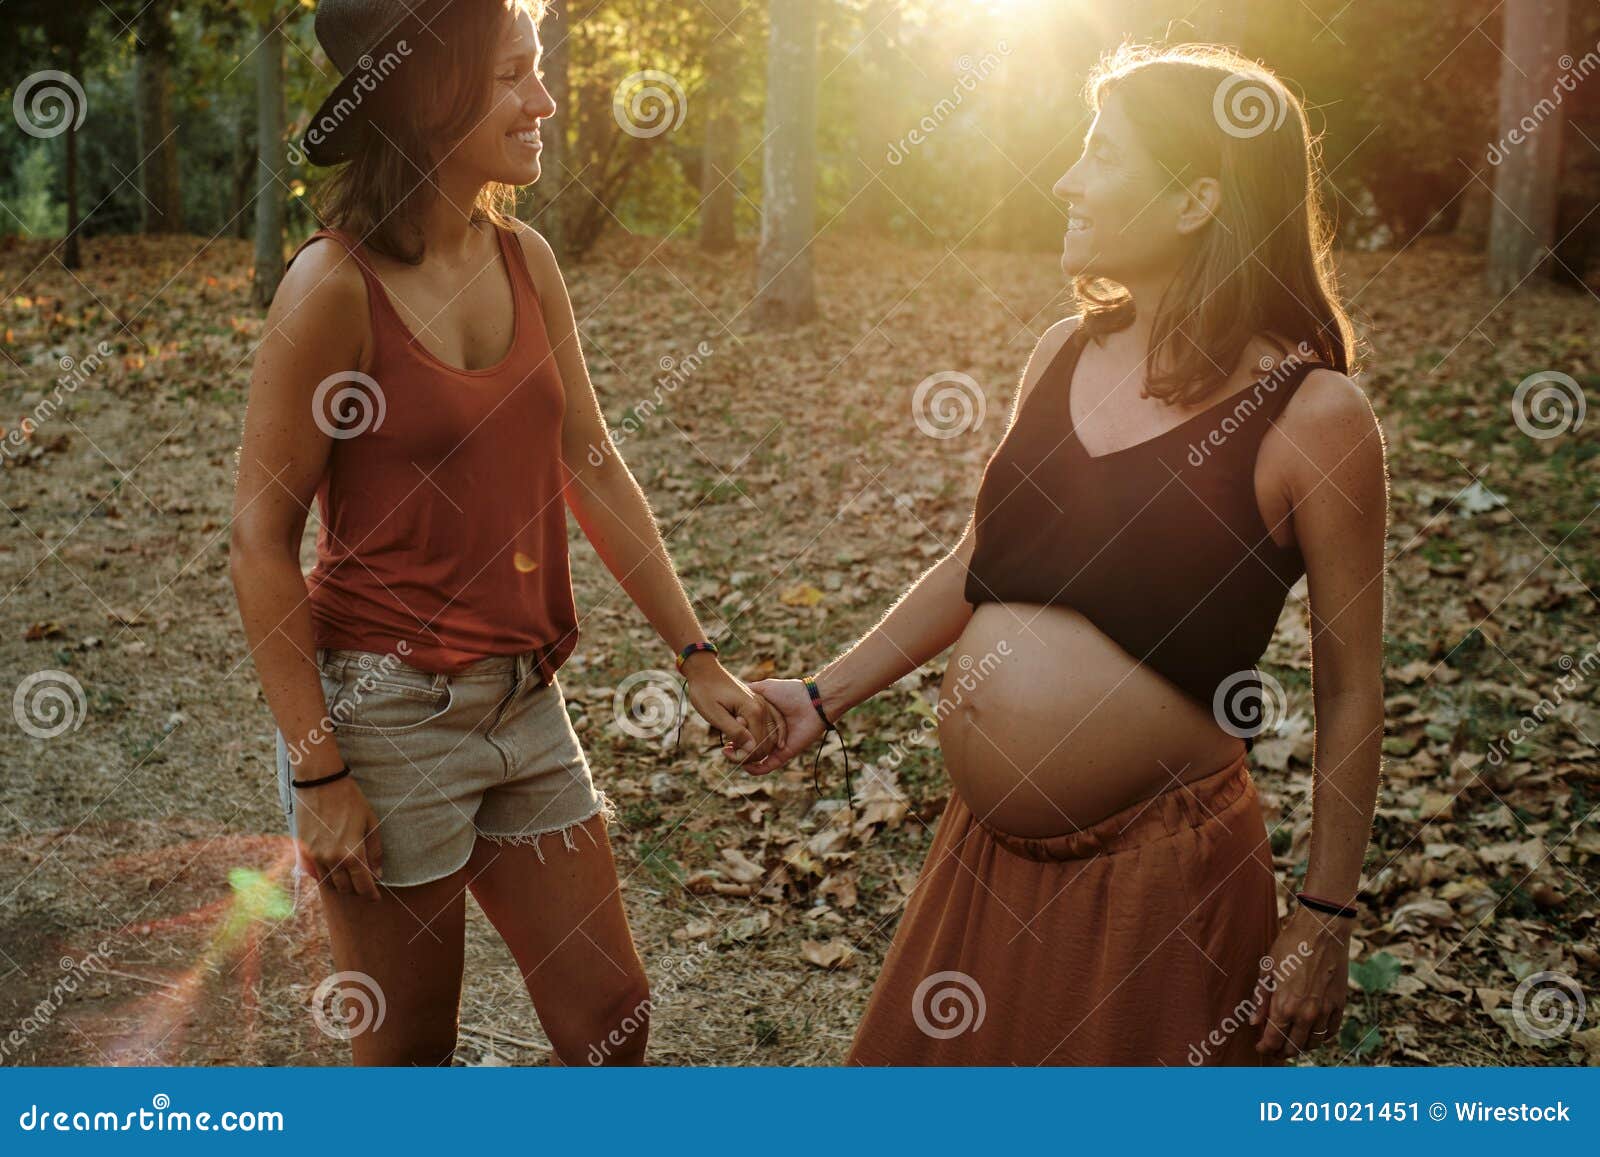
x=1528, y=151
x=786, y=293
x=161, y=207
x=718, y=192
x=72, y=251
x=270, y=157
x=244, y=172
x=878, y=152
x=553, y=196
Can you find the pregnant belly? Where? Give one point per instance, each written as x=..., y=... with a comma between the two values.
x=1047, y=726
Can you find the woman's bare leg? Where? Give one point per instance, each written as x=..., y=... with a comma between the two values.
x=410, y=942
x=563, y=920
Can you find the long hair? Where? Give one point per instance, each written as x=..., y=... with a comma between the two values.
x=379, y=194
x=1265, y=264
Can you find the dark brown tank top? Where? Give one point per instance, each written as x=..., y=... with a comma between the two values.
x=1160, y=545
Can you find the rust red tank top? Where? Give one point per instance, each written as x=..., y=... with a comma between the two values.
x=443, y=514
x=1160, y=545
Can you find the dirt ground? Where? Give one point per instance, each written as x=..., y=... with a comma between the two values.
x=142, y=853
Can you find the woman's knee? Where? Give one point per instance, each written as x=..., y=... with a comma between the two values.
x=615, y=1027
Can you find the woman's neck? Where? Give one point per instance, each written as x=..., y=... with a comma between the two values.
x=1146, y=291
x=448, y=230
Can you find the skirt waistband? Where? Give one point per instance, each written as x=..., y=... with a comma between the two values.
x=1178, y=808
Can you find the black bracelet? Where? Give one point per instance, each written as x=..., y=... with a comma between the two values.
x=1327, y=906
x=340, y=774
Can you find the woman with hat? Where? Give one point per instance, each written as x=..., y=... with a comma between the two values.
x=420, y=377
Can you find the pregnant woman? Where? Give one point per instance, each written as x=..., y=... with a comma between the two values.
x=1100, y=888
x=421, y=378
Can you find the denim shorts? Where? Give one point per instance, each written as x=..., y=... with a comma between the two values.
x=444, y=759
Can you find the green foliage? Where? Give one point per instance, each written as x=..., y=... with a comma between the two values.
x=1377, y=973
x=940, y=122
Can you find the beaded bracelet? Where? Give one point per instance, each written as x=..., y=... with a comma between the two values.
x=692, y=648
x=1317, y=904
x=816, y=702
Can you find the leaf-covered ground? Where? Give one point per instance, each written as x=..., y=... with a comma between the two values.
x=147, y=908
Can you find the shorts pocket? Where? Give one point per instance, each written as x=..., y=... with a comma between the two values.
x=280, y=764
x=361, y=704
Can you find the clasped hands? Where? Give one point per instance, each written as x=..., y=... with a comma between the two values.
x=764, y=725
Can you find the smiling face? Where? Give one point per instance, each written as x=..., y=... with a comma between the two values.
x=504, y=146
x=1126, y=216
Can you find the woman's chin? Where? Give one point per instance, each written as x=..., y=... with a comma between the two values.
x=1076, y=259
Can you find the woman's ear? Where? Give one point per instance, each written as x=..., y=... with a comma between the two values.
x=1201, y=200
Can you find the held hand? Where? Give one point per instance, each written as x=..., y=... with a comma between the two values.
x=1301, y=994
x=803, y=727
x=338, y=832
x=749, y=728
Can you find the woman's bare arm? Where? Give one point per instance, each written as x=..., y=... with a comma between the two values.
x=1338, y=487
x=929, y=617
x=317, y=327
x=614, y=514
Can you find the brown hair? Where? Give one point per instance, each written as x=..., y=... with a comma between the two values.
x=378, y=195
x=1266, y=265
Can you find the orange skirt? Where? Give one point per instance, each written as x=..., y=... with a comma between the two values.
x=1137, y=941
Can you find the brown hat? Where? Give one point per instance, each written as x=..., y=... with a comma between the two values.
x=369, y=41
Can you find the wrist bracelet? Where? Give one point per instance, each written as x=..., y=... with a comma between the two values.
x=340, y=774
x=692, y=648
x=816, y=702
x=1318, y=904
